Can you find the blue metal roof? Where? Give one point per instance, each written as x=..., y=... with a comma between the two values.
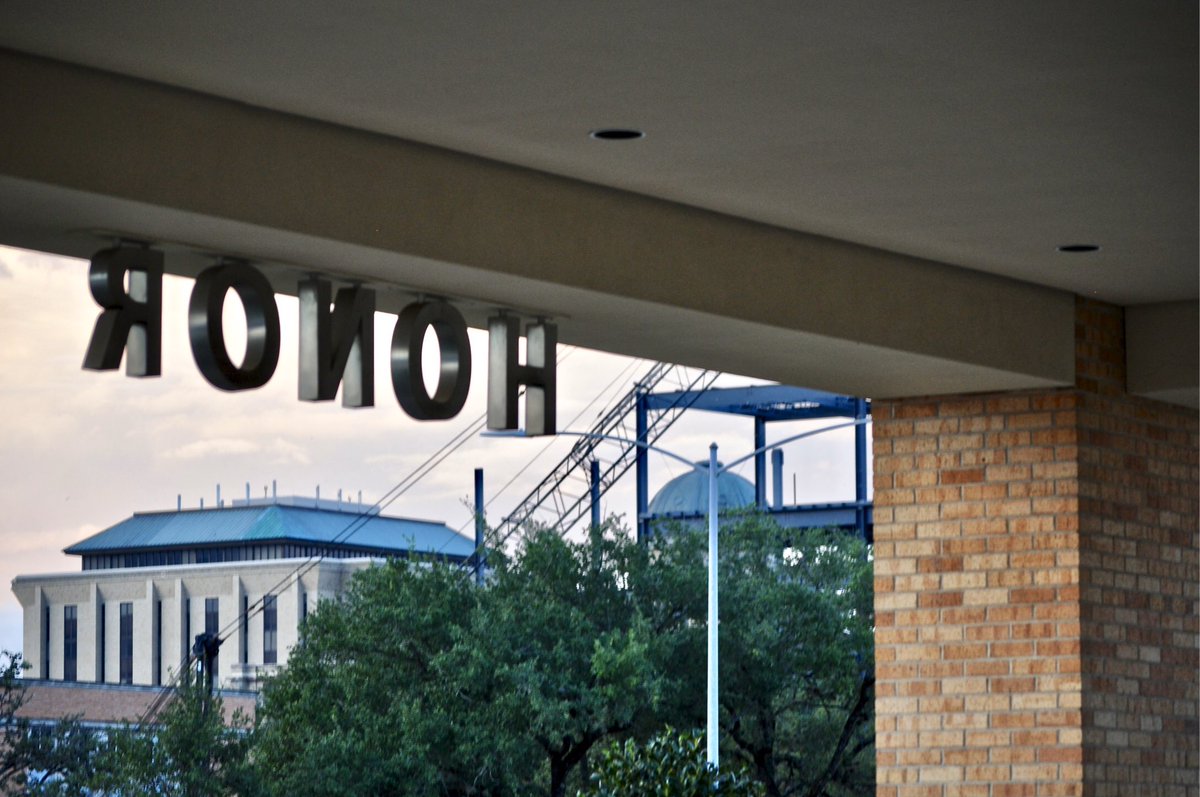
x=195, y=528
x=688, y=494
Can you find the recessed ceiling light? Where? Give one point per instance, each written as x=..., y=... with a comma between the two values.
x=617, y=134
x=1076, y=248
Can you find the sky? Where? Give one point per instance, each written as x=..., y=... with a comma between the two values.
x=82, y=450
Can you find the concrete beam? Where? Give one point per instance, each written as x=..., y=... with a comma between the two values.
x=1162, y=352
x=88, y=151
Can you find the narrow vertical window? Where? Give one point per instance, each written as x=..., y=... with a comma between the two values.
x=100, y=646
x=270, y=630
x=245, y=629
x=70, y=642
x=212, y=623
x=126, y=632
x=159, y=646
x=46, y=643
x=212, y=615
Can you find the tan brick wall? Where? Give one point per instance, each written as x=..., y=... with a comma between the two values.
x=108, y=703
x=1036, y=588
x=1140, y=580
x=977, y=596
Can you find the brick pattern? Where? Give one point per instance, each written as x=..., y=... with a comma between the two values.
x=977, y=596
x=105, y=704
x=1036, y=575
x=1140, y=575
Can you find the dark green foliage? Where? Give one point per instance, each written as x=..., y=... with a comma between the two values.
x=419, y=682
x=670, y=764
x=48, y=760
x=797, y=658
x=369, y=703
x=60, y=759
x=190, y=752
x=13, y=758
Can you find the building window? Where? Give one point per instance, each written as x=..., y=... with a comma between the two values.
x=245, y=629
x=46, y=643
x=100, y=646
x=212, y=615
x=126, y=643
x=70, y=642
x=212, y=622
x=158, y=646
x=270, y=630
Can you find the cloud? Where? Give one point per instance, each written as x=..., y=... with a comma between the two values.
x=217, y=447
x=285, y=452
x=406, y=460
x=5, y=272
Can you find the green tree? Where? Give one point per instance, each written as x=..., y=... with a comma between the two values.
x=13, y=755
x=38, y=760
x=796, y=649
x=797, y=657
x=561, y=649
x=670, y=764
x=420, y=682
x=367, y=704
x=61, y=759
x=189, y=752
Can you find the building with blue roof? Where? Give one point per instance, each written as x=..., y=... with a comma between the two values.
x=249, y=572
x=258, y=529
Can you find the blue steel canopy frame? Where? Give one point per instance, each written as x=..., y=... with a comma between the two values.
x=766, y=404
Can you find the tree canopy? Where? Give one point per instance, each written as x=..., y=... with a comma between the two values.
x=670, y=764
x=567, y=662
x=419, y=682
x=189, y=752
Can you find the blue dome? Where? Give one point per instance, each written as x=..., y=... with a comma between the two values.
x=688, y=494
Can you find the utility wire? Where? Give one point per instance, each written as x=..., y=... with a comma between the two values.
x=618, y=378
x=513, y=530
x=355, y=524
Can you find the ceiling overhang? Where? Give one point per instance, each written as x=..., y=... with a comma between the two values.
x=907, y=245
x=201, y=176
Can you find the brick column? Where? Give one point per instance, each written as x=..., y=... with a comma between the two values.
x=1036, y=583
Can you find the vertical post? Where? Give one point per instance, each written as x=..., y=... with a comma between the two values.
x=479, y=525
x=594, y=482
x=205, y=650
x=713, y=711
x=210, y=659
x=643, y=475
x=777, y=478
x=860, y=467
x=760, y=462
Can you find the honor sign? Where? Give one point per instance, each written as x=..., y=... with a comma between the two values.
x=336, y=341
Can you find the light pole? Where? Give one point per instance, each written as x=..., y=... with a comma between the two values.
x=714, y=470
x=713, y=713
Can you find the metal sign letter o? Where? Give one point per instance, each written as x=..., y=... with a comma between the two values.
x=205, y=309
x=454, y=375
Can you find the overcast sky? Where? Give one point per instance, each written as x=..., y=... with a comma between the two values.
x=82, y=450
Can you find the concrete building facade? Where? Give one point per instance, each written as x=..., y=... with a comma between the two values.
x=136, y=626
x=129, y=619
